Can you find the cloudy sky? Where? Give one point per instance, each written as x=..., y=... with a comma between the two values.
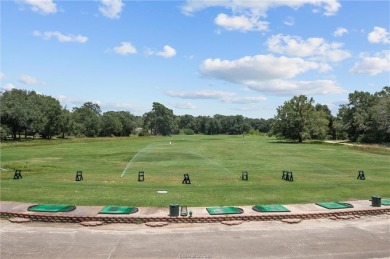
x=195, y=57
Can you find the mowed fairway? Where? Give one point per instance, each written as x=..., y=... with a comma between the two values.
x=322, y=172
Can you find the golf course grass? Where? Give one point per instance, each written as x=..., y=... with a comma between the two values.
x=322, y=172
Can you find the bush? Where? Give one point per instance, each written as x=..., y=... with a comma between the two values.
x=143, y=133
x=187, y=132
x=4, y=132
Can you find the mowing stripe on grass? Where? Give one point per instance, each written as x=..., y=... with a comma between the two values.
x=224, y=210
x=334, y=205
x=213, y=162
x=134, y=157
x=51, y=208
x=270, y=208
x=118, y=210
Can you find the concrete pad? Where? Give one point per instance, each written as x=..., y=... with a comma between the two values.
x=14, y=206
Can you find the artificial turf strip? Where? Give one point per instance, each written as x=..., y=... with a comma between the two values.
x=270, y=208
x=118, y=210
x=51, y=208
x=224, y=210
x=385, y=202
x=334, y=205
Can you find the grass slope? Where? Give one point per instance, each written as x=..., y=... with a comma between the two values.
x=322, y=172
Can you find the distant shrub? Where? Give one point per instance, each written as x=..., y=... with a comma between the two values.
x=187, y=132
x=143, y=133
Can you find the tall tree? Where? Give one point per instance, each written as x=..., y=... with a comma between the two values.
x=66, y=124
x=297, y=119
x=160, y=120
x=47, y=114
x=381, y=115
x=14, y=111
x=129, y=122
x=356, y=116
x=87, y=118
x=111, y=124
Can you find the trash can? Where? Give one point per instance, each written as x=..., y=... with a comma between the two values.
x=174, y=210
x=376, y=201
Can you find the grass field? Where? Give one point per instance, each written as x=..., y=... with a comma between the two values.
x=322, y=172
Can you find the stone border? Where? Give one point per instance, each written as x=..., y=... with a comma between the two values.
x=339, y=214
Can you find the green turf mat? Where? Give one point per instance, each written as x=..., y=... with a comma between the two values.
x=334, y=205
x=270, y=208
x=224, y=210
x=118, y=210
x=385, y=202
x=51, y=208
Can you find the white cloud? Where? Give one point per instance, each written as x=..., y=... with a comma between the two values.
x=120, y=107
x=28, y=80
x=168, y=52
x=256, y=68
x=61, y=37
x=126, y=48
x=379, y=35
x=289, y=21
x=246, y=15
x=202, y=94
x=372, y=65
x=241, y=23
x=267, y=73
x=340, y=31
x=245, y=100
x=315, y=48
x=223, y=96
x=331, y=7
x=41, y=6
x=111, y=8
x=2, y=76
x=291, y=87
x=186, y=105
x=8, y=87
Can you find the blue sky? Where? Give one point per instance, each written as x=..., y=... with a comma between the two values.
x=195, y=57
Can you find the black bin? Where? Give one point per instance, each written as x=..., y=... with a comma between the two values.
x=174, y=210
x=376, y=201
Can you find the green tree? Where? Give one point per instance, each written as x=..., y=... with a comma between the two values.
x=357, y=117
x=14, y=111
x=160, y=120
x=111, y=124
x=296, y=119
x=46, y=115
x=324, y=113
x=66, y=124
x=87, y=118
x=381, y=115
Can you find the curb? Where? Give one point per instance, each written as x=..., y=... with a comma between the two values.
x=334, y=215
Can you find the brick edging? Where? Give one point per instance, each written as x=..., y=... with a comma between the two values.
x=44, y=217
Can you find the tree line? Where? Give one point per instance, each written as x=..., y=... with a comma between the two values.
x=366, y=118
x=25, y=113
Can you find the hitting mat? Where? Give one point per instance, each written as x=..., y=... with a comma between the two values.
x=51, y=208
x=270, y=208
x=334, y=205
x=385, y=202
x=224, y=210
x=118, y=210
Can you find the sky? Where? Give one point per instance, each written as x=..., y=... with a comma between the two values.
x=228, y=57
